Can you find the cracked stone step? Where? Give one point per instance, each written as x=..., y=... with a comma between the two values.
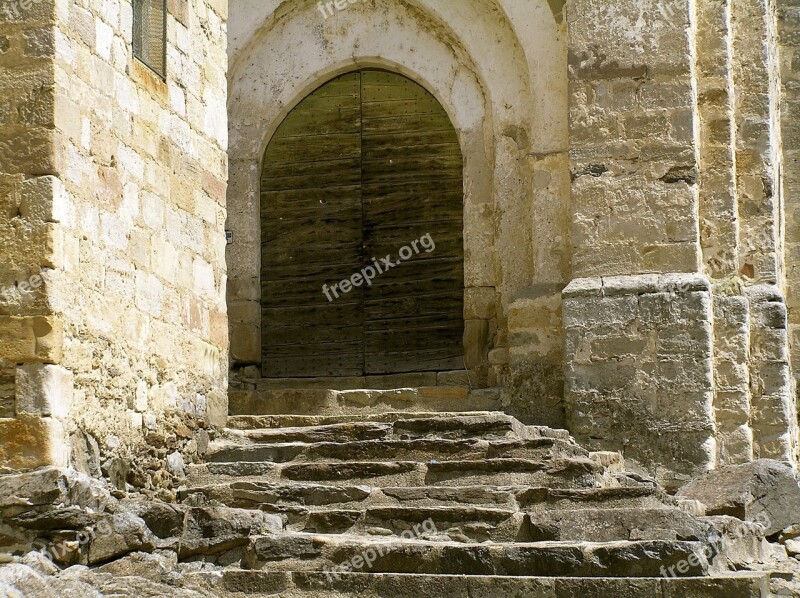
x=454, y=424
x=310, y=552
x=253, y=494
x=479, y=524
x=255, y=422
x=360, y=402
x=614, y=524
x=256, y=494
x=338, y=432
x=459, y=524
x=304, y=584
x=418, y=449
x=561, y=473
x=564, y=499
x=568, y=473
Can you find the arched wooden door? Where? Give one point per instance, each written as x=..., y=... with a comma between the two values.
x=366, y=167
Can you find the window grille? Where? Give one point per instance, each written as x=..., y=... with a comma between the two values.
x=150, y=34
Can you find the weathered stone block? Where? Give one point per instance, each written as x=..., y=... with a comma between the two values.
x=639, y=371
x=44, y=390
x=31, y=339
x=30, y=442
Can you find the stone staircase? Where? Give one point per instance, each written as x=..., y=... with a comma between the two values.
x=450, y=504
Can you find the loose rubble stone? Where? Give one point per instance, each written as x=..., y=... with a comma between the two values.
x=763, y=491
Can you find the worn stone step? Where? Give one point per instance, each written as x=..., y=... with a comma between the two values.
x=257, y=422
x=308, y=584
x=266, y=495
x=404, y=423
x=458, y=524
x=357, y=403
x=613, y=524
x=313, y=552
x=560, y=473
x=557, y=473
x=417, y=449
x=257, y=494
x=335, y=432
x=456, y=426
x=253, y=493
x=563, y=499
x=480, y=523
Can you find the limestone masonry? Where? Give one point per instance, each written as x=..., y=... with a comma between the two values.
x=619, y=182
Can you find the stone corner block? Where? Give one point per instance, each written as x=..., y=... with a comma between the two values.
x=638, y=284
x=683, y=283
x=30, y=442
x=583, y=287
x=44, y=390
x=764, y=293
x=217, y=409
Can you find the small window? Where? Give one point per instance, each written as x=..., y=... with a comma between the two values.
x=150, y=34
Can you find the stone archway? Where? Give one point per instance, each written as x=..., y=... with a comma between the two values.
x=362, y=260
x=499, y=70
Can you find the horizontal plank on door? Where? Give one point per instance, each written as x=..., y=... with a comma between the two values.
x=430, y=215
x=411, y=325
x=322, y=149
x=311, y=208
x=332, y=231
x=289, y=198
x=309, y=291
x=402, y=107
x=391, y=290
x=343, y=118
x=405, y=124
x=389, y=178
x=349, y=253
x=346, y=84
x=448, y=304
x=412, y=361
x=349, y=212
x=307, y=366
x=319, y=349
x=386, y=141
x=337, y=313
x=315, y=180
x=432, y=186
x=384, y=92
x=446, y=165
x=290, y=336
x=381, y=154
x=380, y=241
x=320, y=102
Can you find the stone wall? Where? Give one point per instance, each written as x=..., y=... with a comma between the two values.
x=639, y=375
x=675, y=150
x=31, y=334
x=789, y=45
x=135, y=208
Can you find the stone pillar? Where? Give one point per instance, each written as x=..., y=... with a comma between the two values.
x=732, y=377
x=639, y=375
x=789, y=41
x=535, y=389
x=774, y=412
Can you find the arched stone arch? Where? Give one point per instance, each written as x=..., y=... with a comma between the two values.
x=469, y=58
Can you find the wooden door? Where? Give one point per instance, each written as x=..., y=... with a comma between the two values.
x=367, y=165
